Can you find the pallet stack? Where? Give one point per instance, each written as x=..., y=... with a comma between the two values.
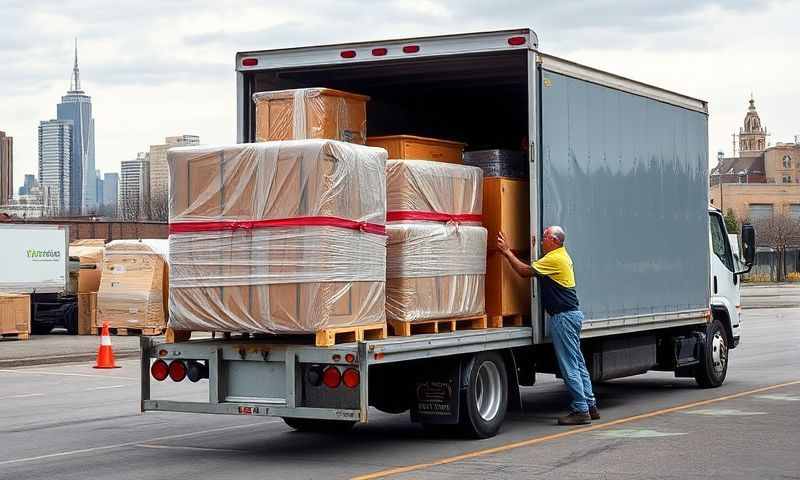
x=90, y=252
x=15, y=316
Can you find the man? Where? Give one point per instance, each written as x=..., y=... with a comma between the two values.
x=557, y=281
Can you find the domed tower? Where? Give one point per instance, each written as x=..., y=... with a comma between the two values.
x=752, y=136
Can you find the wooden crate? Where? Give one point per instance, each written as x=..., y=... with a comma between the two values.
x=409, y=147
x=15, y=316
x=506, y=207
x=439, y=325
x=507, y=294
x=87, y=313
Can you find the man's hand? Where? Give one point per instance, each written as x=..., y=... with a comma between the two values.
x=502, y=243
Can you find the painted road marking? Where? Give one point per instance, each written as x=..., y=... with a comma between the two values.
x=567, y=433
x=132, y=444
x=107, y=387
x=777, y=396
x=23, y=395
x=197, y=449
x=722, y=412
x=41, y=372
x=635, y=433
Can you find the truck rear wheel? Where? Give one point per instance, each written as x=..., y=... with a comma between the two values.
x=714, y=357
x=319, y=426
x=485, y=401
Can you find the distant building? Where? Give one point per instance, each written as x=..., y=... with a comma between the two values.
x=110, y=193
x=76, y=107
x=98, y=188
x=55, y=161
x=28, y=184
x=159, y=173
x=134, y=187
x=6, y=168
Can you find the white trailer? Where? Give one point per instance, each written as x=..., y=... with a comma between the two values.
x=620, y=164
x=36, y=258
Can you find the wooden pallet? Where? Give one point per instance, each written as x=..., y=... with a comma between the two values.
x=500, y=321
x=440, y=325
x=15, y=336
x=123, y=332
x=333, y=336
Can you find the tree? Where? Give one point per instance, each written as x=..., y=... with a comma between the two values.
x=159, y=206
x=778, y=232
x=731, y=224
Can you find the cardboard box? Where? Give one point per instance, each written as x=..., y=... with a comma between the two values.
x=87, y=313
x=308, y=113
x=409, y=147
x=506, y=207
x=90, y=253
x=423, y=186
x=506, y=292
x=132, y=290
x=269, y=279
x=15, y=315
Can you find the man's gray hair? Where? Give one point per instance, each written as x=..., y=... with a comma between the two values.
x=557, y=232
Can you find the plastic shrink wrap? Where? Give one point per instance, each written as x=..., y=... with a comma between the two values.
x=132, y=290
x=277, y=237
x=307, y=113
x=90, y=253
x=436, y=255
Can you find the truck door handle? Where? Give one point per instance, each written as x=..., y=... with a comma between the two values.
x=715, y=284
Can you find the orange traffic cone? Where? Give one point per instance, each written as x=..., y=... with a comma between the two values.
x=105, y=355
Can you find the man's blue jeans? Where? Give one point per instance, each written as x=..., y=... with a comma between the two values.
x=565, y=330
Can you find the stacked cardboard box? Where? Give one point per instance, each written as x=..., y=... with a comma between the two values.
x=132, y=290
x=436, y=255
x=90, y=253
x=506, y=208
x=311, y=113
x=277, y=237
x=15, y=315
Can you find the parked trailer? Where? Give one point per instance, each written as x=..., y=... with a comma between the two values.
x=621, y=165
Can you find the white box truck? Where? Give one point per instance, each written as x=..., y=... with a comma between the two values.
x=621, y=165
x=37, y=262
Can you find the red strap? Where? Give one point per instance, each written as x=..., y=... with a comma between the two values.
x=398, y=215
x=191, y=227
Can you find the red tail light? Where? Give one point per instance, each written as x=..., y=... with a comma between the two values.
x=350, y=358
x=379, y=52
x=351, y=378
x=159, y=370
x=249, y=62
x=177, y=370
x=516, y=41
x=411, y=49
x=331, y=377
x=348, y=54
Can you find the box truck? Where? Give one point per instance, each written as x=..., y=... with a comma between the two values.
x=620, y=164
x=38, y=263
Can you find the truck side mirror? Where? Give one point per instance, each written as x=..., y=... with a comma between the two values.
x=748, y=244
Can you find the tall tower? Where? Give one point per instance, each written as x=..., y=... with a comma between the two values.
x=76, y=107
x=6, y=168
x=55, y=162
x=752, y=136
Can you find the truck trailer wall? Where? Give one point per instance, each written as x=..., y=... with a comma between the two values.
x=35, y=258
x=626, y=176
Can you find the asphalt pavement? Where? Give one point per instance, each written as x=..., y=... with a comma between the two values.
x=72, y=422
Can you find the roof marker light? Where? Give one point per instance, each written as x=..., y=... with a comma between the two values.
x=379, y=52
x=348, y=54
x=411, y=49
x=516, y=41
x=249, y=62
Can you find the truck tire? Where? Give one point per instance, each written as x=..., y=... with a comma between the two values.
x=71, y=319
x=485, y=399
x=713, y=358
x=319, y=426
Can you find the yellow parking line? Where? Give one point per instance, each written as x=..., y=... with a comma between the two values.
x=567, y=433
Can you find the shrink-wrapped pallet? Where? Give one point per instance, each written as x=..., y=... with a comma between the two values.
x=132, y=290
x=307, y=113
x=436, y=255
x=277, y=237
x=90, y=253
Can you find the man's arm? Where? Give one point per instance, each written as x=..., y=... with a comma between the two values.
x=522, y=268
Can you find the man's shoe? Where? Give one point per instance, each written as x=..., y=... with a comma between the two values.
x=575, y=418
x=594, y=413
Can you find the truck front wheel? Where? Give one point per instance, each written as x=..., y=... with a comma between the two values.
x=319, y=426
x=486, y=397
x=714, y=357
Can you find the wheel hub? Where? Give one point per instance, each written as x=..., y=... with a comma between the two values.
x=719, y=353
x=488, y=390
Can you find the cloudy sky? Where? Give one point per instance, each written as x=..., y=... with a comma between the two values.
x=164, y=68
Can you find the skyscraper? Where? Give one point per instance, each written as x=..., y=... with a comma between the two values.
x=6, y=168
x=55, y=161
x=28, y=184
x=134, y=187
x=159, y=173
x=98, y=188
x=110, y=193
x=76, y=106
